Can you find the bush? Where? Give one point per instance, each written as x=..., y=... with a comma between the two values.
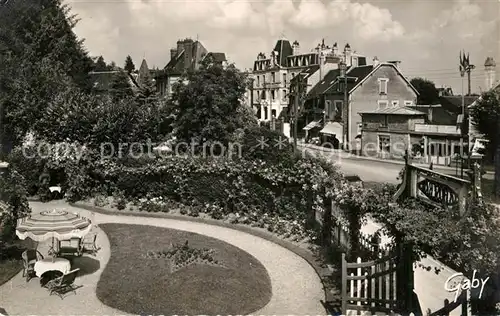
x=13, y=193
x=29, y=168
x=279, y=149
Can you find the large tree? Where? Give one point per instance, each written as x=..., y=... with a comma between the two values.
x=129, y=64
x=41, y=57
x=94, y=120
x=207, y=104
x=121, y=86
x=100, y=64
x=485, y=116
x=428, y=93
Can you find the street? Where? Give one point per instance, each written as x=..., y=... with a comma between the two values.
x=370, y=170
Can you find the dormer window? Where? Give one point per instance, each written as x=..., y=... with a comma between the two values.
x=382, y=85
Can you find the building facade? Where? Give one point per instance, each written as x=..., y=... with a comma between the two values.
x=428, y=132
x=272, y=75
x=337, y=100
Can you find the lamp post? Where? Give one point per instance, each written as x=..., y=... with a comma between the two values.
x=343, y=71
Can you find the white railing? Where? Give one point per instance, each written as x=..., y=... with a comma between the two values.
x=441, y=129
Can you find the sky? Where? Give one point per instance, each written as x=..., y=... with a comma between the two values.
x=425, y=35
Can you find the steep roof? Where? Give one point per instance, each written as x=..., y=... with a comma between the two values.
x=176, y=64
x=354, y=76
x=395, y=111
x=217, y=57
x=102, y=79
x=306, y=73
x=439, y=116
x=144, y=66
x=362, y=73
x=454, y=103
x=325, y=83
x=284, y=50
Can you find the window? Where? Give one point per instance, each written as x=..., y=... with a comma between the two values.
x=263, y=95
x=273, y=77
x=382, y=85
x=384, y=144
x=408, y=103
x=383, y=104
x=258, y=81
x=265, y=113
x=385, y=121
x=259, y=113
x=284, y=78
x=273, y=95
x=273, y=113
x=283, y=96
x=395, y=103
x=293, y=75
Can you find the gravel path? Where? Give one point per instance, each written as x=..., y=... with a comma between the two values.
x=297, y=289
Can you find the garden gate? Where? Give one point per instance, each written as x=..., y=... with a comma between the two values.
x=386, y=284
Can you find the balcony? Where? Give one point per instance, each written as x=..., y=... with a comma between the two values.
x=438, y=129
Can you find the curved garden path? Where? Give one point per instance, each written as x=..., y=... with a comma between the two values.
x=296, y=287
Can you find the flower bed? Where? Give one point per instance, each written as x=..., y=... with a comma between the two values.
x=182, y=256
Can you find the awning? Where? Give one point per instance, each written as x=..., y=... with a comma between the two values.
x=334, y=128
x=312, y=125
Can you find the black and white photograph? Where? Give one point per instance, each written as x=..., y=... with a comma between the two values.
x=250, y=157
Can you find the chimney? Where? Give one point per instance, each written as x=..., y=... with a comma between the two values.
x=335, y=49
x=296, y=48
x=173, y=53
x=180, y=46
x=375, y=61
x=489, y=69
x=189, y=62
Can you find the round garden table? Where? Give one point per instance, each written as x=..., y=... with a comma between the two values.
x=50, y=268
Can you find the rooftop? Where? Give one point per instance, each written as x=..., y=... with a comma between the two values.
x=395, y=111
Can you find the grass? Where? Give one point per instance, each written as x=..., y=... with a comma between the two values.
x=10, y=259
x=133, y=284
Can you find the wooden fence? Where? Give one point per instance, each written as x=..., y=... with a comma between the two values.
x=370, y=286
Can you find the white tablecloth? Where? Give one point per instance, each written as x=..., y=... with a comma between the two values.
x=59, y=264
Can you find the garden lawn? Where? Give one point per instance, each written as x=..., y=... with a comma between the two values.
x=135, y=284
x=10, y=259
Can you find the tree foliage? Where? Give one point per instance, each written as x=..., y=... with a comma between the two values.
x=428, y=93
x=129, y=65
x=208, y=107
x=485, y=116
x=95, y=120
x=100, y=65
x=41, y=56
x=147, y=89
x=121, y=86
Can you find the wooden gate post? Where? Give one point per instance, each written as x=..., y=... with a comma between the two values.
x=404, y=276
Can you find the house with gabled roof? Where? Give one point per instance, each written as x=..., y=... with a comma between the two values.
x=366, y=88
x=187, y=56
x=102, y=80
